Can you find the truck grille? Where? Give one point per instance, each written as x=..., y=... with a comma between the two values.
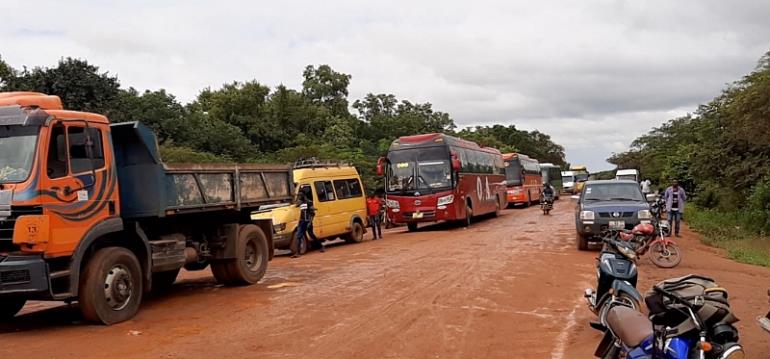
x=7, y=223
x=610, y=214
x=15, y=276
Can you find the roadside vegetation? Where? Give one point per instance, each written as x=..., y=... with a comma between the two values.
x=721, y=155
x=251, y=122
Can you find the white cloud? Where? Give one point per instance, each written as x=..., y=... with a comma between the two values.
x=593, y=74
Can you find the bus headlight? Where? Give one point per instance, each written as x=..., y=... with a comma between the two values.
x=644, y=214
x=392, y=204
x=587, y=215
x=443, y=201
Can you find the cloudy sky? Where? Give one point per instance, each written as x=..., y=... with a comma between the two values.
x=593, y=74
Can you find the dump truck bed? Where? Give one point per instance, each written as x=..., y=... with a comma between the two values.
x=150, y=188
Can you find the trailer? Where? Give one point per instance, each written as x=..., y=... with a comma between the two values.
x=90, y=213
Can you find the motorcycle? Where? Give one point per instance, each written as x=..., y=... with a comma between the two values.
x=657, y=208
x=690, y=318
x=546, y=203
x=616, y=279
x=665, y=252
x=764, y=322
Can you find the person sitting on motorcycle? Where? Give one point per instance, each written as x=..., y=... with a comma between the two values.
x=548, y=192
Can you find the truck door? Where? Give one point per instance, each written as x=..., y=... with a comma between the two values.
x=77, y=185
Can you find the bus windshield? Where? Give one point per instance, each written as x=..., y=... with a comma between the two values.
x=17, y=151
x=513, y=173
x=418, y=169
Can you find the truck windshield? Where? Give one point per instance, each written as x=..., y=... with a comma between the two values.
x=612, y=192
x=513, y=173
x=17, y=151
x=568, y=179
x=419, y=169
x=582, y=176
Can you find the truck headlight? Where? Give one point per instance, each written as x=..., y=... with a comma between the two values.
x=443, y=201
x=587, y=215
x=392, y=204
x=644, y=214
x=280, y=227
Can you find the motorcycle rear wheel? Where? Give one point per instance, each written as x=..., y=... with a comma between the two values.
x=665, y=256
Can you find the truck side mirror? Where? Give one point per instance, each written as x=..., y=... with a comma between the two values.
x=381, y=166
x=456, y=164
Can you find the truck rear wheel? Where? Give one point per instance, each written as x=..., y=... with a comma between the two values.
x=111, y=286
x=10, y=306
x=250, y=262
x=356, y=234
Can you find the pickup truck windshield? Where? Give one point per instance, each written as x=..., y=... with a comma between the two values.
x=417, y=169
x=612, y=192
x=17, y=151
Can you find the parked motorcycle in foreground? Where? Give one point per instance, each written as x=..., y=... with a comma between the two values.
x=764, y=322
x=616, y=279
x=664, y=252
x=690, y=318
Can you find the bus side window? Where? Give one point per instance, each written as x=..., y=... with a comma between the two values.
x=325, y=191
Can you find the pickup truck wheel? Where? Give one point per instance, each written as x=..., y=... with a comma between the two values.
x=251, y=256
x=111, y=286
x=356, y=234
x=582, y=242
x=10, y=306
x=164, y=280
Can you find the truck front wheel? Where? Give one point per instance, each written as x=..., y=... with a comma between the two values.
x=111, y=286
x=10, y=306
x=250, y=262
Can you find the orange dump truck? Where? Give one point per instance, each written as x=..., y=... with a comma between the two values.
x=89, y=213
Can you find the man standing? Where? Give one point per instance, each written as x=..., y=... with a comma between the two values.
x=646, y=187
x=373, y=209
x=305, y=226
x=675, y=198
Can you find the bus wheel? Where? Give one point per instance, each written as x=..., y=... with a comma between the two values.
x=111, y=286
x=10, y=306
x=411, y=226
x=468, y=215
x=497, y=206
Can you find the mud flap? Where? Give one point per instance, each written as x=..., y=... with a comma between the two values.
x=624, y=287
x=608, y=341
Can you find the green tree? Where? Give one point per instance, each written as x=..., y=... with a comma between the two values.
x=323, y=85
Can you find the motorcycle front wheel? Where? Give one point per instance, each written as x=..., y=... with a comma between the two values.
x=665, y=255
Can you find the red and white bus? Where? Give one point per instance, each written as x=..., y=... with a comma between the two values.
x=523, y=179
x=436, y=177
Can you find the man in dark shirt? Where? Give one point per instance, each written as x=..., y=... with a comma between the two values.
x=305, y=226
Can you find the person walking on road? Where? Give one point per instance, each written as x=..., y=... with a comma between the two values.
x=646, y=187
x=305, y=226
x=675, y=199
x=374, y=211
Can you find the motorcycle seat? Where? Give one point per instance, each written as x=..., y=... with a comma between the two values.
x=630, y=326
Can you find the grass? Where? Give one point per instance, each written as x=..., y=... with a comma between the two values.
x=741, y=233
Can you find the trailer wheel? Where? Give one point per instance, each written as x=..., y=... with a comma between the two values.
x=251, y=256
x=111, y=286
x=10, y=306
x=163, y=280
x=356, y=234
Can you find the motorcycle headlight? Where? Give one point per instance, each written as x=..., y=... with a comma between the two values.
x=733, y=351
x=443, y=201
x=587, y=215
x=644, y=214
x=628, y=252
x=391, y=203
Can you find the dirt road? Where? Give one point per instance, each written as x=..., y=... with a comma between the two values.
x=509, y=287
